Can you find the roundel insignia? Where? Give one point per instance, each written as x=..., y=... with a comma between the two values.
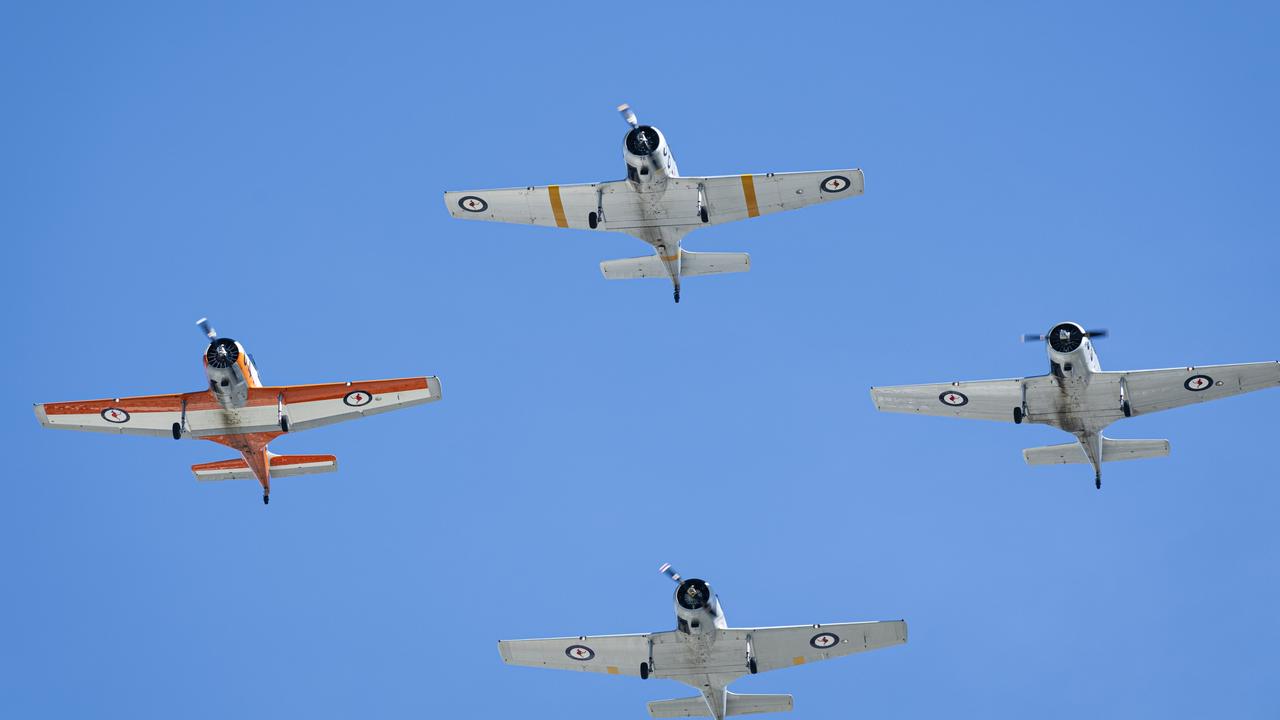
x=1196, y=383
x=835, y=184
x=357, y=398
x=115, y=415
x=953, y=398
x=471, y=203
x=822, y=641
x=579, y=652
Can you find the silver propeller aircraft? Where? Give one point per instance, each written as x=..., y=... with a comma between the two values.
x=705, y=653
x=657, y=205
x=1079, y=397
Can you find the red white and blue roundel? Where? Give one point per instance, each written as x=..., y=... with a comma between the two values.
x=953, y=398
x=471, y=203
x=579, y=652
x=1196, y=383
x=116, y=415
x=822, y=641
x=835, y=184
x=357, y=398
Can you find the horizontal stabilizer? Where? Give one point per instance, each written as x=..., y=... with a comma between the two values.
x=707, y=263
x=650, y=266
x=281, y=466
x=1112, y=451
x=691, y=265
x=681, y=707
x=1066, y=453
x=735, y=705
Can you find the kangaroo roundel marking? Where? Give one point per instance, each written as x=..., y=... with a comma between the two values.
x=835, y=184
x=357, y=398
x=822, y=641
x=953, y=398
x=1196, y=383
x=581, y=653
x=471, y=203
x=115, y=415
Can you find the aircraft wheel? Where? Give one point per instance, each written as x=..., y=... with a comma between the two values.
x=702, y=212
x=593, y=220
x=177, y=431
x=1124, y=407
x=1097, y=482
x=751, y=665
x=677, y=294
x=1017, y=416
x=644, y=671
x=284, y=423
x=266, y=499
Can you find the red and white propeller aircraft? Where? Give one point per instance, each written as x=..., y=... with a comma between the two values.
x=238, y=411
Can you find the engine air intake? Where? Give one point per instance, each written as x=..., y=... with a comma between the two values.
x=643, y=141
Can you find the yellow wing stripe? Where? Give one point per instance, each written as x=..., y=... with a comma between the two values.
x=749, y=192
x=557, y=207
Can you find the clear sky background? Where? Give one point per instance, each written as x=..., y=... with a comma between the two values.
x=279, y=168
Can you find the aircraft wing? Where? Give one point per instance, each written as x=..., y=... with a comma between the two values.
x=143, y=415
x=781, y=647
x=307, y=406
x=1150, y=391
x=566, y=206
x=981, y=399
x=738, y=197
x=611, y=654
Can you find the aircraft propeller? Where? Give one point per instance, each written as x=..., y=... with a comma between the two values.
x=670, y=572
x=208, y=330
x=628, y=115
x=1041, y=337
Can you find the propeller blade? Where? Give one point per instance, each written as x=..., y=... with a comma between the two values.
x=208, y=330
x=1033, y=337
x=670, y=572
x=628, y=114
x=1099, y=333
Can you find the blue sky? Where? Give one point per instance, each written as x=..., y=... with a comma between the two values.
x=278, y=167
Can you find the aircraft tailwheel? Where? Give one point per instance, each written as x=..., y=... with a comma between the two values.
x=266, y=499
x=677, y=294
x=1097, y=481
x=593, y=220
x=177, y=431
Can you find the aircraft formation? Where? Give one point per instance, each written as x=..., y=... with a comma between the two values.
x=659, y=206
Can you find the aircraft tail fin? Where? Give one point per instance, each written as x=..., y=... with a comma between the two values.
x=281, y=466
x=1112, y=451
x=734, y=705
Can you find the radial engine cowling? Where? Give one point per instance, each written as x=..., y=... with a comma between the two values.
x=643, y=141
x=693, y=594
x=1066, y=337
x=222, y=353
